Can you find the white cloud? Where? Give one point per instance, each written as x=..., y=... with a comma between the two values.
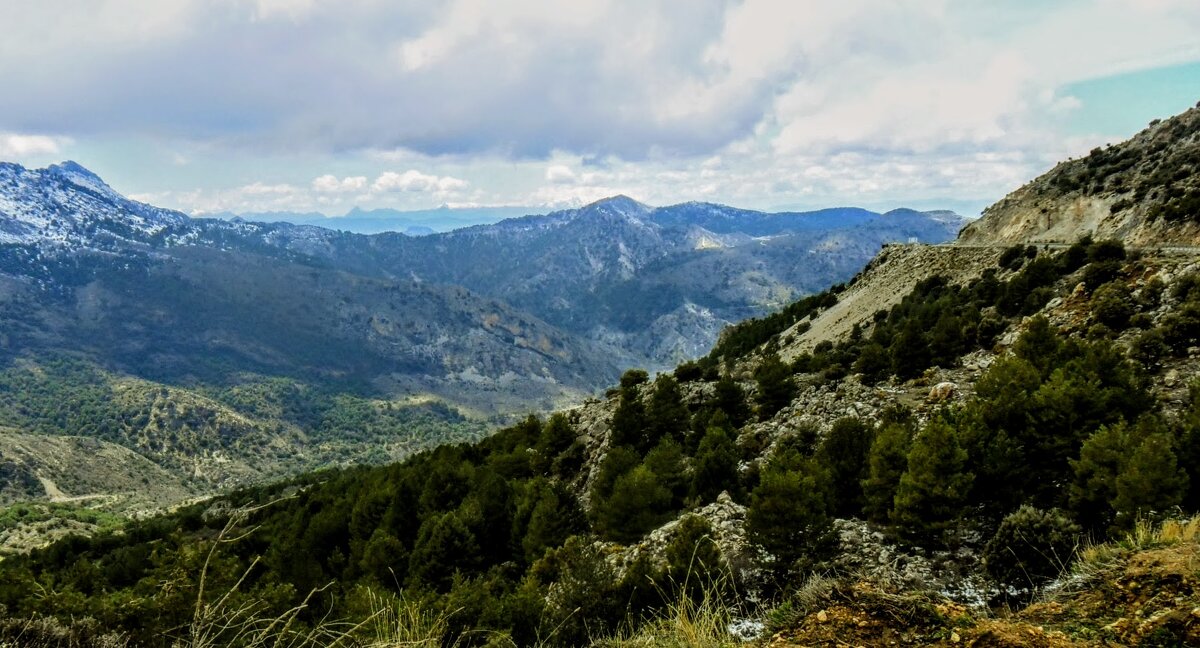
x=413, y=180
x=289, y=9
x=560, y=174
x=331, y=184
x=757, y=102
x=17, y=146
x=261, y=189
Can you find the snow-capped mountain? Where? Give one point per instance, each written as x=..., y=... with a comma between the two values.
x=647, y=285
x=67, y=204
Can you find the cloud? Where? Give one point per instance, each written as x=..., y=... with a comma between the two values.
x=635, y=79
x=331, y=184
x=413, y=180
x=560, y=174
x=751, y=101
x=17, y=146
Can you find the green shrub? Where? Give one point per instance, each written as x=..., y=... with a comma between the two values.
x=1112, y=305
x=1031, y=547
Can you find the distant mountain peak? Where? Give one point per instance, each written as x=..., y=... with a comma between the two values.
x=81, y=176
x=620, y=204
x=66, y=204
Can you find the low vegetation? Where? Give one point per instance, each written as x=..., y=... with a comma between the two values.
x=1061, y=441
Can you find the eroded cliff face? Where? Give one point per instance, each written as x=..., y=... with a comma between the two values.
x=1144, y=191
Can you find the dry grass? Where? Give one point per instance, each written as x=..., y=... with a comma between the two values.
x=684, y=623
x=1096, y=560
x=397, y=622
x=235, y=620
x=48, y=632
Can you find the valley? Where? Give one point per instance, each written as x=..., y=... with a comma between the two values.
x=201, y=355
x=963, y=443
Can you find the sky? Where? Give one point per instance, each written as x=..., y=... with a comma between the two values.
x=312, y=105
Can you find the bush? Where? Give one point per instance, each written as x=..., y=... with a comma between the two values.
x=633, y=378
x=1107, y=250
x=1031, y=547
x=1012, y=257
x=689, y=371
x=1149, y=348
x=1112, y=305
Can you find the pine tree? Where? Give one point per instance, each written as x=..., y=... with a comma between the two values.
x=1039, y=345
x=776, y=386
x=637, y=504
x=1094, y=486
x=872, y=363
x=789, y=516
x=934, y=488
x=886, y=463
x=728, y=397
x=629, y=421
x=665, y=460
x=909, y=350
x=844, y=452
x=715, y=466
x=556, y=436
x=1188, y=448
x=444, y=546
x=1150, y=483
x=619, y=461
x=666, y=415
x=693, y=557
x=555, y=518
x=385, y=559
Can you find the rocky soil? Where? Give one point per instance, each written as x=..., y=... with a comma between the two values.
x=882, y=284
x=1120, y=191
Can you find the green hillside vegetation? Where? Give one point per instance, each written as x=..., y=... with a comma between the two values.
x=1061, y=438
x=262, y=427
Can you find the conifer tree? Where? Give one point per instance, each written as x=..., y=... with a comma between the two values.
x=637, y=504
x=555, y=518
x=556, y=436
x=385, y=559
x=666, y=415
x=1039, y=345
x=886, y=463
x=776, y=386
x=1150, y=483
x=728, y=397
x=1094, y=486
x=666, y=462
x=693, y=557
x=934, y=488
x=629, y=421
x=909, y=350
x=1188, y=448
x=619, y=461
x=844, y=452
x=444, y=546
x=715, y=466
x=789, y=515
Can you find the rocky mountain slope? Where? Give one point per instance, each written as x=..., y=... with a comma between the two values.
x=658, y=284
x=1143, y=191
x=229, y=352
x=913, y=458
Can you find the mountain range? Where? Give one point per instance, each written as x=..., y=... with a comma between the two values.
x=413, y=222
x=295, y=346
x=987, y=443
x=648, y=286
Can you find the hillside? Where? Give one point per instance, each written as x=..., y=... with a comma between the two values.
x=763, y=474
x=1143, y=191
x=261, y=350
x=923, y=455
